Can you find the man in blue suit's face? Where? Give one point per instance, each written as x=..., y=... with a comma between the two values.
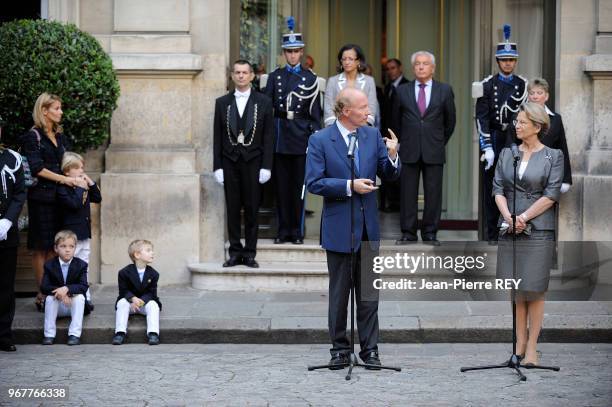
x=355, y=110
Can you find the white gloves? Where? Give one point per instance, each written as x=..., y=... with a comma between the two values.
x=5, y=225
x=489, y=157
x=219, y=176
x=565, y=187
x=264, y=175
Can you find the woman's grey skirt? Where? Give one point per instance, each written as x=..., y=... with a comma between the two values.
x=534, y=259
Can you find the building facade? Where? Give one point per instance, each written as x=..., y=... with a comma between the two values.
x=172, y=59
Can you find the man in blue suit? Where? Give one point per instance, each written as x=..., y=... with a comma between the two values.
x=328, y=173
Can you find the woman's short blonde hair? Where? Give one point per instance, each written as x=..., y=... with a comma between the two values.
x=537, y=114
x=71, y=160
x=44, y=101
x=538, y=83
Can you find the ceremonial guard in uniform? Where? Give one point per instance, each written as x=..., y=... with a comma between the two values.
x=294, y=92
x=499, y=99
x=12, y=198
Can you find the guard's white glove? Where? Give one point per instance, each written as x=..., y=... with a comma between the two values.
x=565, y=187
x=489, y=157
x=219, y=176
x=264, y=175
x=5, y=225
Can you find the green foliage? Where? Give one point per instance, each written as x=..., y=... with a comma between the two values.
x=39, y=56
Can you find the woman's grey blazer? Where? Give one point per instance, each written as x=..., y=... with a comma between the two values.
x=338, y=82
x=542, y=177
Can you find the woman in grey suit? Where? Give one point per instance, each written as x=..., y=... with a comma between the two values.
x=352, y=64
x=539, y=178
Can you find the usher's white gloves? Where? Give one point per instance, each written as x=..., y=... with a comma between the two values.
x=219, y=176
x=264, y=175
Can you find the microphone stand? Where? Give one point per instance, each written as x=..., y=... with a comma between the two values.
x=515, y=361
x=353, y=362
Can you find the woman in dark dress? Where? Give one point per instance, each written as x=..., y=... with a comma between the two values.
x=12, y=198
x=538, y=185
x=538, y=89
x=44, y=145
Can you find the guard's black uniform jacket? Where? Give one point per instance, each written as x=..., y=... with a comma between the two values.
x=12, y=194
x=496, y=109
x=297, y=109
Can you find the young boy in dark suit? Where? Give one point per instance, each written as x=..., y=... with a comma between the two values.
x=64, y=283
x=75, y=204
x=138, y=292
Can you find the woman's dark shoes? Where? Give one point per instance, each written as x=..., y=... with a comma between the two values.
x=47, y=340
x=250, y=262
x=280, y=240
x=232, y=261
x=373, y=360
x=297, y=240
x=338, y=361
x=8, y=347
x=119, y=338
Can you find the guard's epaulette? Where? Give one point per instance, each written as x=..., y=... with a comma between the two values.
x=523, y=78
x=486, y=79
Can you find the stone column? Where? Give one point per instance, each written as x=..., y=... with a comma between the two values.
x=151, y=184
x=66, y=11
x=598, y=182
x=575, y=39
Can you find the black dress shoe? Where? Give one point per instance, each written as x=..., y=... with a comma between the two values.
x=250, y=262
x=338, y=361
x=373, y=360
x=119, y=338
x=232, y=261
x=8, y=347
x=298, y=241
x=431, y=240
x=153, y=338
x=406, y=239
x=47, y=340
x=73, y=340
x=280, y=240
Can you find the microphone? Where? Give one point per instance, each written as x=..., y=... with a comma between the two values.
x=352, y=145
x=515, y=152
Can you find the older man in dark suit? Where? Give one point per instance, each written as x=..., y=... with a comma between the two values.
x=425, y=111
x=243, y=148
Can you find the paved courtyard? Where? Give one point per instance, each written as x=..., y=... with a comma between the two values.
x=276, y=375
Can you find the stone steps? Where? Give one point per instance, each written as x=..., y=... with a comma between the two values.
x=300, y=268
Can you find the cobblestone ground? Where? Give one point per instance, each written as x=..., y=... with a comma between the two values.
x=276, y=375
